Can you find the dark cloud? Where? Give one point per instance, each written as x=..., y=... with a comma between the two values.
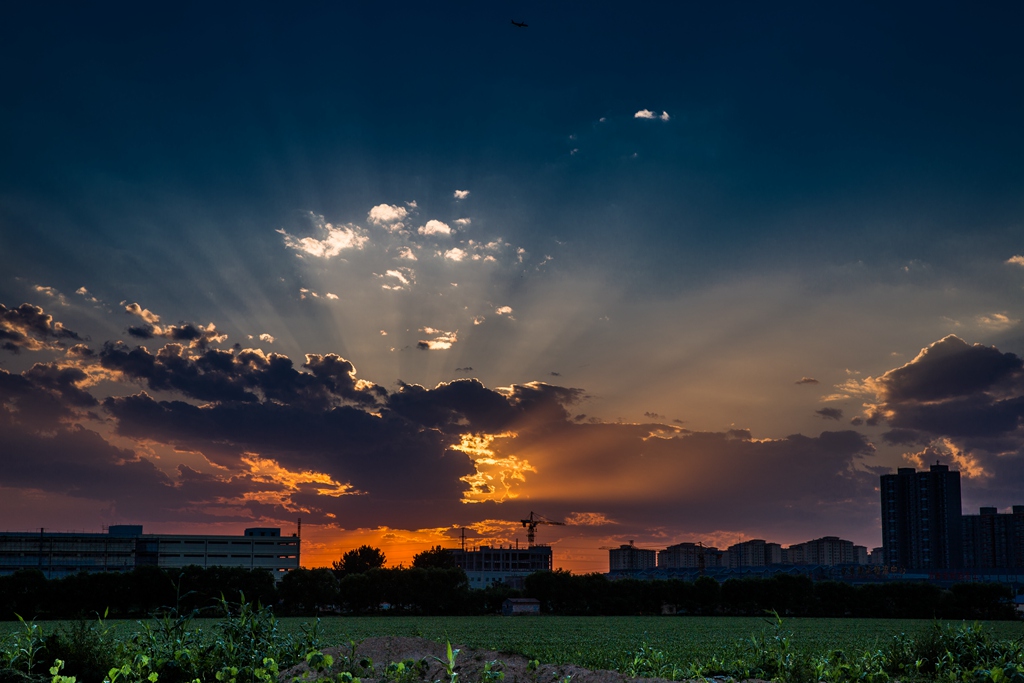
x=960, y=400
x=951, y=368
x=29, y=327
x=904, y=437
x=806, y=380
x=242, y=376
x=830, y=413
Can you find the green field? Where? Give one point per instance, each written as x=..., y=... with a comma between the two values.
x=603, y=642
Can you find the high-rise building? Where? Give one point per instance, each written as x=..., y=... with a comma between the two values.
x=755, y=553
x=627, y=557
x=689, y=556
x=994, y=541
x=921, y=518
x=829, y=551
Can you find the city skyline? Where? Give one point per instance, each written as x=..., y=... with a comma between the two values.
x=664, y=274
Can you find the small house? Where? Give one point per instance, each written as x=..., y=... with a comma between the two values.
x=513, y=607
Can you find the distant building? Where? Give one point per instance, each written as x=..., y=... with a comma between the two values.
x=993, y=540
x=876, y=556
x=827, y=551
x=627, y=557
x=486, y=565
x=860, y=554
x=124, y=547
x=514, y=607
x=688, y=556
x=921, y=519
x=755, y=553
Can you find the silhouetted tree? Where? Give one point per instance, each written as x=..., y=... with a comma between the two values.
x=358, y=561
x=435, y=558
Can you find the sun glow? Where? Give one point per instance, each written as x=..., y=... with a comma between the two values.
x=495, y=475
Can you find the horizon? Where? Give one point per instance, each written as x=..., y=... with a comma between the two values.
x=665, y=274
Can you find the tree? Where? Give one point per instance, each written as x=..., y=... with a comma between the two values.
x=361, y=560
x=435, y=558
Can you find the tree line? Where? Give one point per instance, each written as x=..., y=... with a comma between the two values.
x=359, y=583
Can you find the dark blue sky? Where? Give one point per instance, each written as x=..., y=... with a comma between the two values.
x=816, y=191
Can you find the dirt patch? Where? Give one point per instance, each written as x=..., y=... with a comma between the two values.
x=471, y=664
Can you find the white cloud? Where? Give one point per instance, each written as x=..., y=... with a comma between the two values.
x=52, y=293
x=388, y=216
x=461, y=194
x=462, y=222
x=434, y=227
x=267, y=338
x=335, y=240
x=144, y=313
x=442, y=340
x=998, y=321
x=455, y=254
x=398, y=275
x=478, y=320
x=328, y=295
x=503, y=310
x=1016, y=260
x=406, y=253
x=651, y=115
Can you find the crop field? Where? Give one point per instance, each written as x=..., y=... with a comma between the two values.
x=602, y=642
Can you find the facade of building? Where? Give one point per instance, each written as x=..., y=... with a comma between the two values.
x=124, y=547
x=688, y=556
x=755, y=553
x=486, y=565
x=627, y=557
x=993, y=540
x=828, y=551
x=922, y=527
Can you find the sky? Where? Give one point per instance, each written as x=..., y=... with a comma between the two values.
x=662, y=272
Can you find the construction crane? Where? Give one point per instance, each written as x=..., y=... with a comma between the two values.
x=532, y=523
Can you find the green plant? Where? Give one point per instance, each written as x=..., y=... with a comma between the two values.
x=449, y=663
x=24, y=646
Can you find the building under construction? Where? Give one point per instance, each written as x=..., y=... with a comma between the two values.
x=124, y=547
x=486, y=565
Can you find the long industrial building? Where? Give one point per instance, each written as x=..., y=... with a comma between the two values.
x=124, y=547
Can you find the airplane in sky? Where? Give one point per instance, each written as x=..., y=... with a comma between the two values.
x=519, y=24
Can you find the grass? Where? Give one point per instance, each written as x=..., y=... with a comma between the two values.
x=674, y=647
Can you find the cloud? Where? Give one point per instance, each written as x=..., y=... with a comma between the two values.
x=333, y=241
x=461, y=194
x=830, y=413
x=388, y=216
x=144, y=313
x=588, y=519
x=455, y=254
x=441, y=341
x=997, y=321
x=52, y=293
x=195, y=335
x=83, y=292
x=806, y=380
x=435, y=227
x=29, y=327
x=267, y=338
x=1015, y=261
x=462, y=222
x=650, y=115
x=962, y=400
x=504, y=310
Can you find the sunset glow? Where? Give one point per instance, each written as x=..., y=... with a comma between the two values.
x=658, y=273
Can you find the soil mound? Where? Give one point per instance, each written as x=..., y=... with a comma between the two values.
x=472, y=665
